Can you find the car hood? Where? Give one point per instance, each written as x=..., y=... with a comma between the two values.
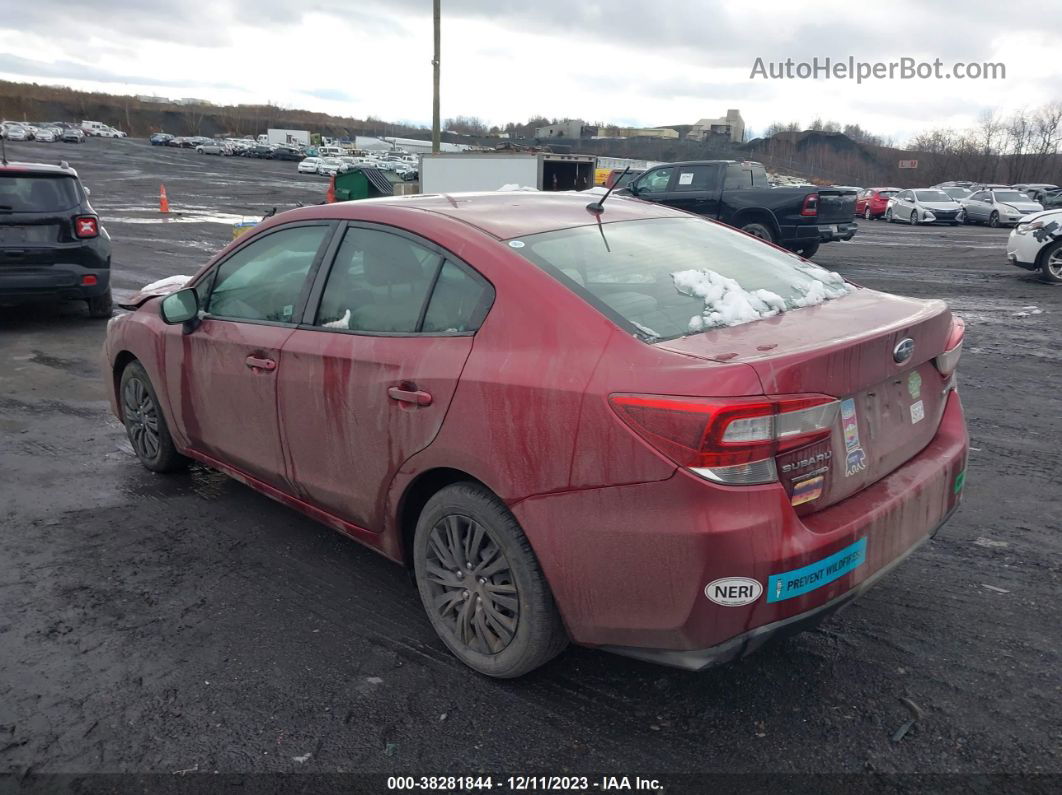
x=1023, y=207
x=1054, y=214
x=170, y=284
x=939, y=205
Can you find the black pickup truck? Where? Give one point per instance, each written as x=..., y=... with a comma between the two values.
x=738, y=194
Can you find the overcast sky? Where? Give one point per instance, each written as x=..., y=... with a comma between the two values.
x=637, y=62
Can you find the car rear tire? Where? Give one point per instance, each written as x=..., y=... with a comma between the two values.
x=867, y=214
x=101, y=306
x=1051, y=263
x=762, y=231
x=144, y=422
x=493, y=610
x=808, y=251
x=993, y=220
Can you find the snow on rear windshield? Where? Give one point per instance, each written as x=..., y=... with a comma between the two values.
x=669, y=277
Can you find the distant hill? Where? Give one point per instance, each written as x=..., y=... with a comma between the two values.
x=33, y=102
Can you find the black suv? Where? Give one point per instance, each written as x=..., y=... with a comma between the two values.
x=52, y=244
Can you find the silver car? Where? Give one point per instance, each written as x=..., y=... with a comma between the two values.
x=923, y=206
x=998, y=206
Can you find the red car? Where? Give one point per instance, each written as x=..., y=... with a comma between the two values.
x=871, y=203
x=624, y=426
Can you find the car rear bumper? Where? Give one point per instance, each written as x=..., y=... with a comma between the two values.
x=66, y=282
x=802, y=234
x=629, y=565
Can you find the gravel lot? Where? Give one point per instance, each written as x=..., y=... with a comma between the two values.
x=152, y=623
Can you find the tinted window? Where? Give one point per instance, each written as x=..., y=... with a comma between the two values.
x=263, y=280
x=693, y=178
x=738, y=176
x=458, y=302
x=655, y=181
x=378, y=283
x=37, y=194
x=661, y=275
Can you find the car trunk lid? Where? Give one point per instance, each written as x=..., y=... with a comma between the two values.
x=889, y=410
x=835, y=205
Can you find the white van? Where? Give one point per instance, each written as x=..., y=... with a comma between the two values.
x=331, y=151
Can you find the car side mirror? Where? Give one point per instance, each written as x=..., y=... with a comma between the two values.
x=180, y=307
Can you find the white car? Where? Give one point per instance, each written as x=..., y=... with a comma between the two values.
x=998, y=206
x=923, y=206
x=1036, y=245
x=328, y=166
x=309, y=165
x=16, y=133
x=45, y=135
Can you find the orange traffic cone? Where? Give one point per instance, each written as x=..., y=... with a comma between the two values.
x=164, y=203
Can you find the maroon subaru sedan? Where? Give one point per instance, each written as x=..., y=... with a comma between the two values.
x=620, y=426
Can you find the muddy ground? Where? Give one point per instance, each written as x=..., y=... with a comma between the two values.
x=186, y=623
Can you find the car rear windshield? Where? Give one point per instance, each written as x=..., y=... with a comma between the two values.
x=30, y=193
x=669, y=277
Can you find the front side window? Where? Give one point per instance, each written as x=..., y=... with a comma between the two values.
x=655, y=181
x=669, y=277
x=264, y=279
x=378, y=283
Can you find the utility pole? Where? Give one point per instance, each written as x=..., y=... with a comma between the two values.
x=435, y=79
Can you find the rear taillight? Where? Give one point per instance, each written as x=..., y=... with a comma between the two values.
x=949, y=360
x=86, y=226
x=728, y=440
x=811, y=205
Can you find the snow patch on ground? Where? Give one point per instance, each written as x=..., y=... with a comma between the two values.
x=169, y=281
x=727, y=303
x=515, y=186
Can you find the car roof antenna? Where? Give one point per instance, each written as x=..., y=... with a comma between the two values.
x=599, y=206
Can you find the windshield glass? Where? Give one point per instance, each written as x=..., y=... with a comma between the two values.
x=37, y=193
x=1010, y=196
x=887, y=193
x=957, y=193
x=669, y=277
x=932, y=196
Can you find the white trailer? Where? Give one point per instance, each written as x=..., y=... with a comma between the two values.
x=448, y=172
x=290, y=137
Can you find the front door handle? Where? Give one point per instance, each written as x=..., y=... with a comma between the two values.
x=414, y=396
x=258, y=363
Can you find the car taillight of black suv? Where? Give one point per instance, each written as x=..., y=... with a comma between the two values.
x=52, y=244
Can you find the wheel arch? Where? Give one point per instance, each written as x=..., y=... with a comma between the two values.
x=121, y=361
x=758, y=215
x=416, y=495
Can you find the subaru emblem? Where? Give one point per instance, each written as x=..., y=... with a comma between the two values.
x=903, y=351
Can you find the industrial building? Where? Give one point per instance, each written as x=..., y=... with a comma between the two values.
x=731, y=126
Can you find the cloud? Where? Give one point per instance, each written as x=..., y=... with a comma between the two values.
x=26, y=67
x=333, y=94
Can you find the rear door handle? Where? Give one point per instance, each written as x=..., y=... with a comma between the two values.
x=257, y=363
x=414, y=396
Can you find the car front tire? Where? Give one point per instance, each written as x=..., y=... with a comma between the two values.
x=888, y=216
x=1051, y=263
x=993, y=220
x=144, y=422
x=481, y=584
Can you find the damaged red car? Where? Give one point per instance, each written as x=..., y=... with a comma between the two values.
x=620, y=426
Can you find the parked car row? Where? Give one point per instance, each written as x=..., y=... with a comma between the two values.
x=50, y=132
x=949, y=203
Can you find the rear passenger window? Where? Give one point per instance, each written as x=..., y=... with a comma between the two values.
x=459, y=302
x=378, y=283
x=696, y=178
